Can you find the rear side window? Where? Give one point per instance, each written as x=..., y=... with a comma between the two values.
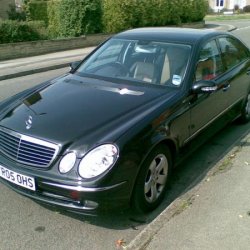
x=233, y=51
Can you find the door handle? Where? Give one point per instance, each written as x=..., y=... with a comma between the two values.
x=226, y=86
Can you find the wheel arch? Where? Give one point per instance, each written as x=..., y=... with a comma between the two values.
x=165, y=142
x=171, y=152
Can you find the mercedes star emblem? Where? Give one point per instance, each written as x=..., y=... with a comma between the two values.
x=28, y=122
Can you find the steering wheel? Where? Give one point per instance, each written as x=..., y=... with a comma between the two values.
x=111, y=69
x=121, y=68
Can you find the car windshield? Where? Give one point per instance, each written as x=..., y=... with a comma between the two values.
x=138, y=60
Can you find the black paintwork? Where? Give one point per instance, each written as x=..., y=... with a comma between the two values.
x=79, y=112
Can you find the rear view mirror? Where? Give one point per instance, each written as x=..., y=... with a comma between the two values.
x=74, y=65
x=204, y=87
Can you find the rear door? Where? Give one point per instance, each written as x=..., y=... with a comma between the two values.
x=237, y=63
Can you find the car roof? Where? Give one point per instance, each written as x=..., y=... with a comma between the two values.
x=181, y=35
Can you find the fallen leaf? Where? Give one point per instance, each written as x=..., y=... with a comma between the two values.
x=232, y=155
x=120, y=243
x=241, y=216
x=246, y=163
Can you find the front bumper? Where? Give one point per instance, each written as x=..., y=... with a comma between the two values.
x=73, y=197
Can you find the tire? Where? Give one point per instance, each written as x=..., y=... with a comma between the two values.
x=245, y=113
x=151, y=183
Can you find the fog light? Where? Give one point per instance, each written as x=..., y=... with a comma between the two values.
x=90, y=204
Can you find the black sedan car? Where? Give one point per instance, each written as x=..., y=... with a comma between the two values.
x=108, y=133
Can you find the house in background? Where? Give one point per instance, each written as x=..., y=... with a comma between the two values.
x=4, y=8
x=218, y=5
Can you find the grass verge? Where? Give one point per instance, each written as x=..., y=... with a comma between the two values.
x=222, y=17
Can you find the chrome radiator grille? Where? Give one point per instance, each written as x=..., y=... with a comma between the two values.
x=26, y=149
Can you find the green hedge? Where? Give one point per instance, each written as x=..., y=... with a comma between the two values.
x=36, y=10
x=193, y=10
x=13, y=14
x=125, y=14
x=72, y=18
x=14, y=31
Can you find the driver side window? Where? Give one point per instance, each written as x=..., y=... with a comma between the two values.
x=209, y=65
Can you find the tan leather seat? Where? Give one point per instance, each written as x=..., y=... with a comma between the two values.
x=144, y=71
x=165, y=74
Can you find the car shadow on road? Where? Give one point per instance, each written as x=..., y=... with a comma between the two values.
x=184, y=177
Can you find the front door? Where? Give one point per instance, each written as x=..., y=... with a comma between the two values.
x=208, y=106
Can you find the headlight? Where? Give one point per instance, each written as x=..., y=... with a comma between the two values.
x=98, y=160
x=67, y=163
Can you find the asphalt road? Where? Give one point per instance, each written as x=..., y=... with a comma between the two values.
x=28, y=225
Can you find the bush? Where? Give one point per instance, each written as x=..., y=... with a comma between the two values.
x=246, y=8
x=13, y=14
x=72, y=18
x=193, y=10
x=120, y=15
x=36, y=10
x=236, y=7
x=14, y=31
x=125, y=14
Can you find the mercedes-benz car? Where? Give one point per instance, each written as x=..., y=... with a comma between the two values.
x=108, y=133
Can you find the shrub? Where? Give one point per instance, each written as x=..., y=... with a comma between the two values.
x=14, y=31
x=119, y=15
x=236, y=7
x=13, y=14
x=36, y=10
x=71, y=18
x=193, y=10
x=246, y=8
x=125, y=14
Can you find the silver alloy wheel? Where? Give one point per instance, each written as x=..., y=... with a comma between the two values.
x=247, y=108
x=156, y=178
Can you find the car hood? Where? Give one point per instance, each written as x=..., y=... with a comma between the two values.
x=73, y=107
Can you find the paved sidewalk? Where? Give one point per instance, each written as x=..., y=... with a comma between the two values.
x=213, y=215
x=30, y=65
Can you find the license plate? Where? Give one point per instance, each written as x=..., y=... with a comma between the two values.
x=19, y=179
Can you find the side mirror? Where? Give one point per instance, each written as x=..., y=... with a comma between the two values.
x=73, y=66
x=204, y=87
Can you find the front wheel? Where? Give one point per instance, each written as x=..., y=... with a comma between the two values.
x=245, y=113
x=152, y=180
